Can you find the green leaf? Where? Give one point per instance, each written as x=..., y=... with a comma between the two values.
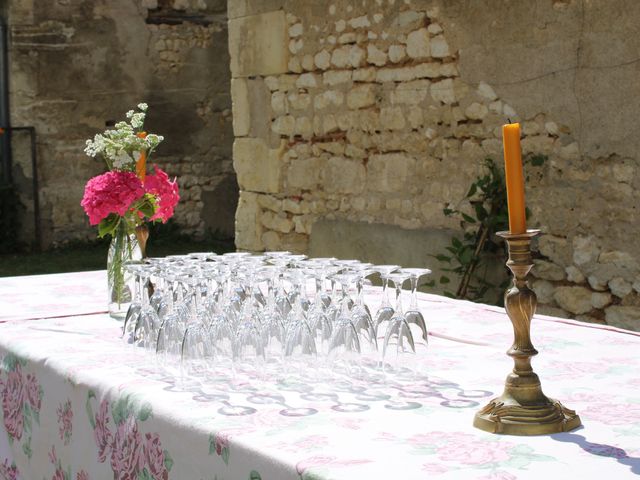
x=466, y=256
x=481, y=213
x=120, y=410
x=147, y=207
x=26, y=448
x=92, y=420
x=468, y=218
x=144, y=475
x=444, y=280
x=145, y=412
x=36, y=416
x=472, y=191
x=429, y=284
x=212, y=444
x=443, y=258
x=108, y=225
x=11, y=361
x=448, y=212
x=26, y=418
x=168, y=461
x=254, y=475
x=456, y=243
x=225, y=455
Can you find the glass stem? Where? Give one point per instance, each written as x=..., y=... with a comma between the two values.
x=414, y=294
x=345, y=300
x=138, y=296
x=385, y=292
x=398, y=297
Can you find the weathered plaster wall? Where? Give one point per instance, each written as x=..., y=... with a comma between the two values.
x=76, y=64
x=381, y=111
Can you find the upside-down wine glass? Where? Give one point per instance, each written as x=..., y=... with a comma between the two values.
x=385, y=311
x=398, y=338
x=413, y=314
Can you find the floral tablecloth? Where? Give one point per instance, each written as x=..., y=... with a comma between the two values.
x=79, y=404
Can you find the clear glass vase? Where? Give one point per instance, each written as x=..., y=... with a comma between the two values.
x=124, y=248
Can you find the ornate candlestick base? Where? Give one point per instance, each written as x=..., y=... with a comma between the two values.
x=523, y=409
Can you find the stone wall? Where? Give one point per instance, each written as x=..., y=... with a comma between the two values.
x=76, y=65
x=381, y=111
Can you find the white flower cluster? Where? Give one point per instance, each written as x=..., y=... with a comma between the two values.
x=121, y=146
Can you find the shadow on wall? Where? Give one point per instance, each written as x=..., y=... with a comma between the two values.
x=220, y=205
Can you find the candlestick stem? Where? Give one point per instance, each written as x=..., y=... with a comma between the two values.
x=523, y=409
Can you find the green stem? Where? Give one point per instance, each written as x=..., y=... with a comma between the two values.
x=122, y=251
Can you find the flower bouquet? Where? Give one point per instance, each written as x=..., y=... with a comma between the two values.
x=123, y=200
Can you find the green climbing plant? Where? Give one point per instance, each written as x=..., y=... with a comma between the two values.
x=468, y=256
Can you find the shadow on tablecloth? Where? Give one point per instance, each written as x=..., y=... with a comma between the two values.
x=600, y=449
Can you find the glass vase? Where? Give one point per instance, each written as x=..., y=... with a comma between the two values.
x=124, y=248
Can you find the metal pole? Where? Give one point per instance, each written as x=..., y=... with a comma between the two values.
x=36, y=190
x=5, y=120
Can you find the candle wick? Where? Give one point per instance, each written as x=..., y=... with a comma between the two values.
x=509, y=120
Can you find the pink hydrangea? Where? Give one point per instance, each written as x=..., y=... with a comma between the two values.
x=166, y=191
x=111, y=192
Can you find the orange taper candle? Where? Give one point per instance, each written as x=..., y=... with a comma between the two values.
x=141, y=166
x=514, y=177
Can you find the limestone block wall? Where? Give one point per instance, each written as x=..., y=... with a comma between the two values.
x=381, y=111
x=78, y=64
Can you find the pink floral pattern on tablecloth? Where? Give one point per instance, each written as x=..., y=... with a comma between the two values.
x=611, y=413
x=12, y=403
x=59, y=473
x=219, y=444
x=306, y=467
x=8, y=471
x=101, y=433
x=306, y=443
x=82, y=475
x=464, y=450
x=127, y=458
x=498, y=475
x=130, y=452
x=154, y=457
x=58, y=295
x=65, y=419
x=21, y=401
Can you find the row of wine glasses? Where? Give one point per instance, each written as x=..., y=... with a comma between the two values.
x=272, y=308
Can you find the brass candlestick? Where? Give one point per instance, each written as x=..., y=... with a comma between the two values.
x=523, y=409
